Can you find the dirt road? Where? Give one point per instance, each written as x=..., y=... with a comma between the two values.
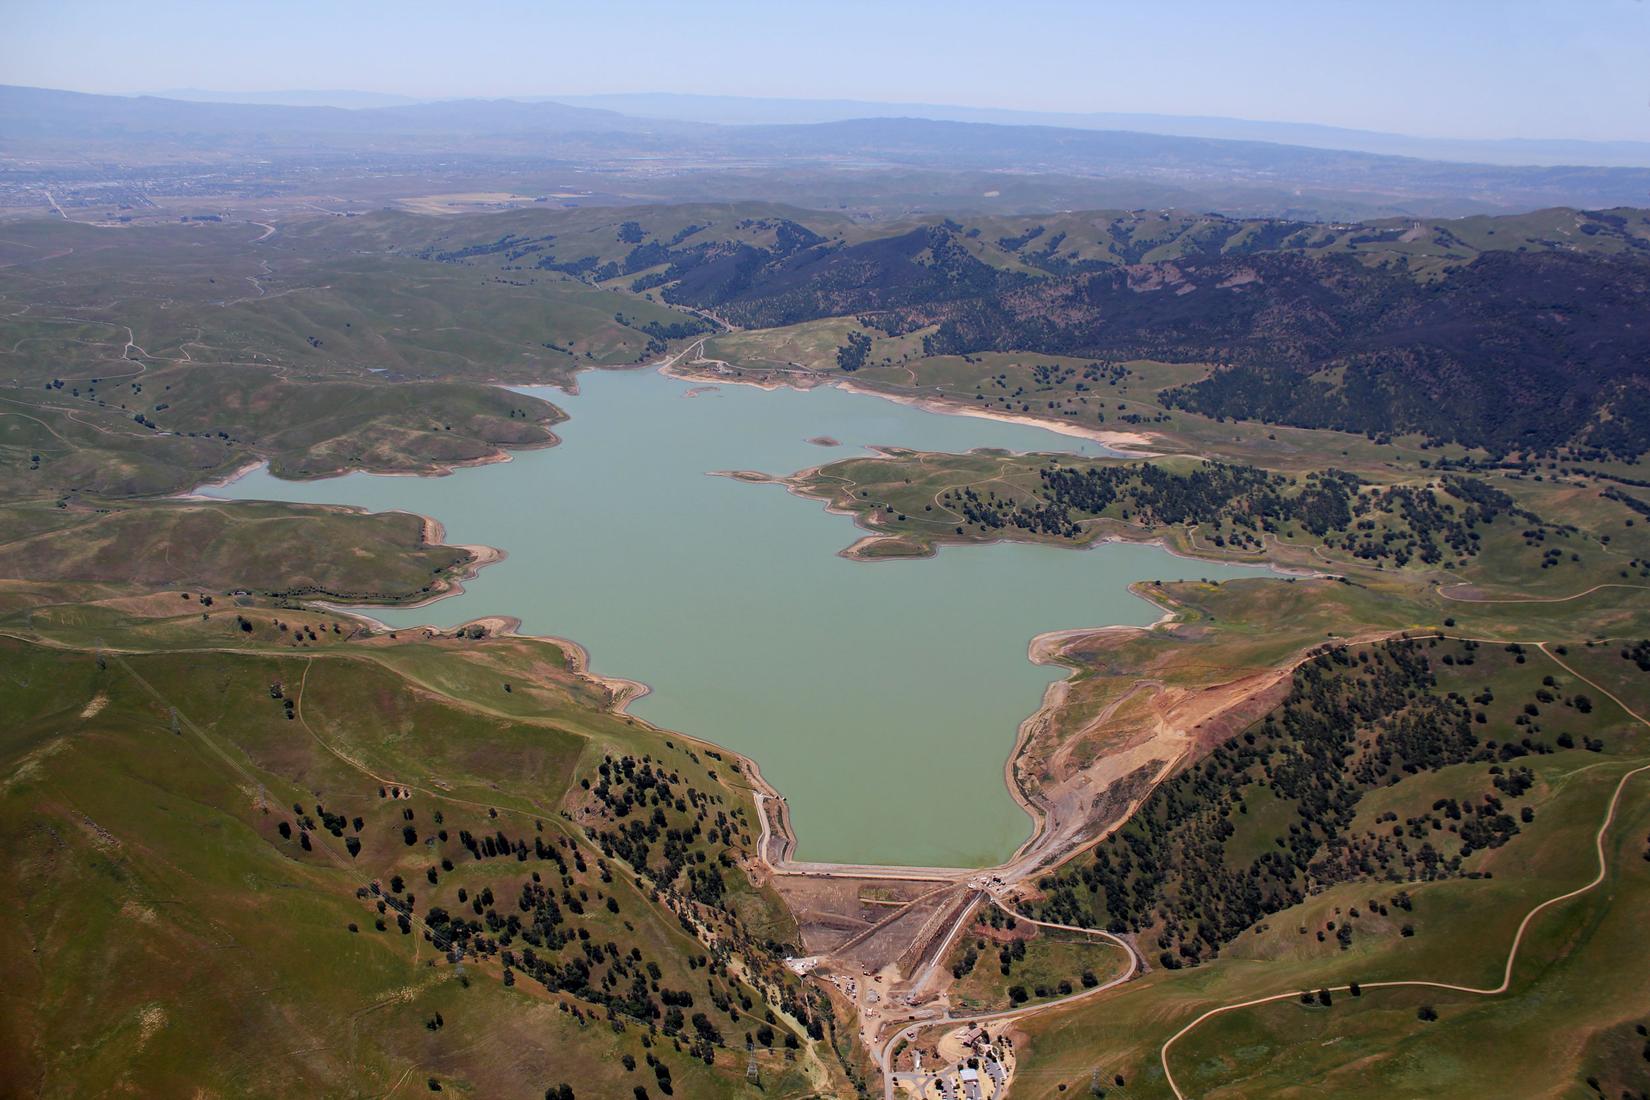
x=1518, y=936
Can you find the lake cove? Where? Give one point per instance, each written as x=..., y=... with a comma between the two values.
x=881, y=699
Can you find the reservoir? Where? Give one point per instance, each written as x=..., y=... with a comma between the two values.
x=881, y=698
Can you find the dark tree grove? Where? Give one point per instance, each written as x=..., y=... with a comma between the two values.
x=1355, y=720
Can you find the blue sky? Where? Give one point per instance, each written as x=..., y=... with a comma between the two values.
x=1455, y=68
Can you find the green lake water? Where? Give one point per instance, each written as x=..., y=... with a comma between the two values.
x=881, y=699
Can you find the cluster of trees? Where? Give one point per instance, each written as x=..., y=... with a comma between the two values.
x=1512, y=351
x=1428, y=520
x=512, y=246
x=1048, y=376
x=1058, y=389
x=1394, y=524
x=1020, y=240
x=536, y=901
x=1310, y=338
x=1356, y=719
x=851, y=356
x=1638, y=653
x=803, y=276
x=665, y=827
x=1325, y=341
x=533, y=937
x=1628, y=501
x=658, y=333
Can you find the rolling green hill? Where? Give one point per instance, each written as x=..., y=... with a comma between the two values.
x=305, y=865
x=258, y=836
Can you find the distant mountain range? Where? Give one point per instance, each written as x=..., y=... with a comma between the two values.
x=742, y=110
x=1213, y=172
x=344, y=98
x=752, y=110
x=58, y=116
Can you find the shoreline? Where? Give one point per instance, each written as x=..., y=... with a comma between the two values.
x=503, y=452
x=223, y=481
x=1127, y=444
x=769, y=804
x=794, y=484
x=431, y=533
x=1047, y=649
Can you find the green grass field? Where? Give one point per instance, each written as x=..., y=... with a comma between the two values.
x=1570, y=1014
x=1053, y=964
x=169, y=918
x=219, y=546
x=150, y=359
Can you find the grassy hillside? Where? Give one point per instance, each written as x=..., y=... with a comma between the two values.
x=1571, y=1015
x=144, y=360
x=1379, y=327
x=217, y=845
x=999, y=963
x=272, y=549
x=1331, y=771
x=114, y=329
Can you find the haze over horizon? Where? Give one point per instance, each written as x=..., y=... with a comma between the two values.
x=826, y=550
x=1534, y=72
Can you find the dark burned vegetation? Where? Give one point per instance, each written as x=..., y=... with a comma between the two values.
x=1275, y=815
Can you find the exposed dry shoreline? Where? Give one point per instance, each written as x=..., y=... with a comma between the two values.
x=1130, y=443
x=222, y=481
x=1133, y=444
x=1049, y=648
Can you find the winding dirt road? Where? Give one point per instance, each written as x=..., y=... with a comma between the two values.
x=1518, y=936
x=885, y=1057
x=1538, y=599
